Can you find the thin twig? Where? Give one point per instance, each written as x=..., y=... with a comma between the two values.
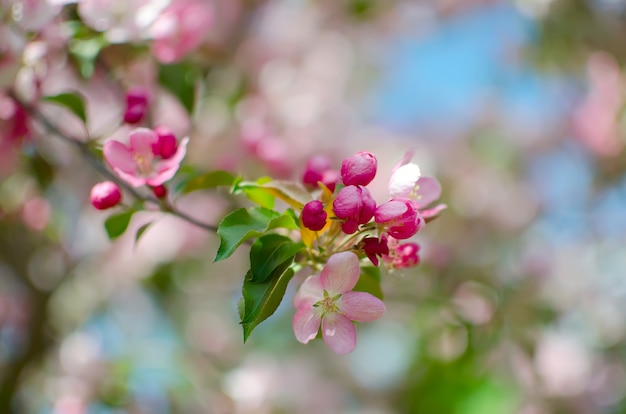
x=84, y=149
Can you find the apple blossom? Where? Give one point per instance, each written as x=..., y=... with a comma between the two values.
x=180, y=28
x=314, y=216
x=402, y=255
x=327, y=300
x=373, y=246
x=400, y=218
x=105, y=195
x=359, y=169
x=138, y=164
x=355, y=205
x=318, y=169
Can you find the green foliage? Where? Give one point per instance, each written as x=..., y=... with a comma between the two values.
x=268, y=253
x=117, y=224
x=209, y=180
x=72, y=101
x=261, y=299
x=180, y=79
x=141, y=231
x=291, y=193
x=369, y=281
x=244, y=224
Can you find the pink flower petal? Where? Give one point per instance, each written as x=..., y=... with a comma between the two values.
x=142, y=140
x=119, y=157
x=309, y=292
x=433, y=213
x=361, y=306
x=429, y=190
x=166, y=169
x=341, y=273
x=306, y=323
x=339, y=333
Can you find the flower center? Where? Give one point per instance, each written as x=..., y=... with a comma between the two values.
x=328, y=304
x=144, y=163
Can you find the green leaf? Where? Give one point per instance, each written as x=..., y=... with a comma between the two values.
x=369, y=281
x=210, y=180
x=117, y=224
x=243, y=224
x=180, y=79
x=85, y=51
x=291, y=193
x=141, y=231
x=268, y=253
x=72, y=101
x=262, y=299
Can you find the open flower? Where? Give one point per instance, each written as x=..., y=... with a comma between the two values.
x=327, y=299
x=138, y=163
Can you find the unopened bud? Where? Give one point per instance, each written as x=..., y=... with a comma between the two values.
x=105, y=195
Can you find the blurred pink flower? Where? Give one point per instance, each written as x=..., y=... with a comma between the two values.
x=139, y=164
x=402, y=255
x=327, y=299
x=180, y=28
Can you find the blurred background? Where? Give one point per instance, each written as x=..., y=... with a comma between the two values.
x=515, y=106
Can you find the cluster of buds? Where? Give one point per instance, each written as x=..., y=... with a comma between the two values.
x=353, y=207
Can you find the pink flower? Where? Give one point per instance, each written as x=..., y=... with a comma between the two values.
x=372, y=246
x=359, y=169
x=400, y=218
x=402, y=255
x=327, y=299
x=136, y=105
x=180, y=28
x=105, y=195
x=314, y=216
x=139, y=164
x=406, y=182
x=355, y=205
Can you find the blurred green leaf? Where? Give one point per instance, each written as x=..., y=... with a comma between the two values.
x=291, y=193
x=244, y=224
x=262, y=299
x=117, y=224
x=268, y=253
x=180, y=79
x=85, y=51
x=369, y=281
x=210, y=180
x=72, y=101
x=141, y=231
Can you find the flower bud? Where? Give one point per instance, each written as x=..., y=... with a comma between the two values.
x=314, y=216
x=400, y=218
x=159, y=191
x=136, y=105
x=355, y=205
x=372, y=246
x=359, y=169
x=105, y=195
x=167, y=145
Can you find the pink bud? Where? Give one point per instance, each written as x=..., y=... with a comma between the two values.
x=402, y=255
x=160, y=191
x=314, y=216
x=167, y=145
x=359, y=169
x=372, y=246
x=355, y=205
x=400, y=217
x=105, y=195
x=136, y=105
x=314, y=170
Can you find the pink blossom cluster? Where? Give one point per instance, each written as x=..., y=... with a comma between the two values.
x=397, y=219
